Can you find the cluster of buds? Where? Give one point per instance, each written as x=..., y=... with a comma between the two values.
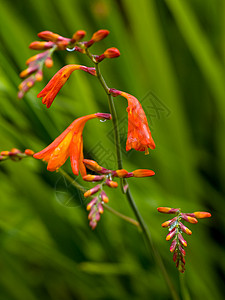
x=52, y=42
x=176, y=229
x=15, y=154
x=105, y=179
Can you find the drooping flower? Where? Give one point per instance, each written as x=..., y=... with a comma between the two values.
x=139, y=135
x=69, y=143
x=58, y=80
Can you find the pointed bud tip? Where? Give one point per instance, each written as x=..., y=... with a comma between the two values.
x=100, y=35
x=29, y=152
x=112, y=53
x=143, y=173
x=202, y=214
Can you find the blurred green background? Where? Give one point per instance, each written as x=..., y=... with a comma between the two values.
x=172, y=60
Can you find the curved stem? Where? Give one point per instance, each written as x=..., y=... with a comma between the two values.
x=150, y=245
x=143, y=226
x=114, y=118
x=83, y=189
x=115, y=212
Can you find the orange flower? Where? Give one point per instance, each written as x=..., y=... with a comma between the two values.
x=139, y=135
x=69, y=143
x=58, y=80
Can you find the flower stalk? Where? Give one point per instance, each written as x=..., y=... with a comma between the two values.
x=125, y=186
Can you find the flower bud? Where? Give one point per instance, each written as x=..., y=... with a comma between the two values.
x=93, y=202
x=100, y=208
x=63, y=44
x=189, y=219
x=41, y=45
x=143, y=173
x=4, y=153
x=92, y=165
x=96, y=37
x=92, y=191
x=49, y=36
x=97, y=216
x=120, y=173
x=93, y=224
x=14, y=151
x=92, y=213
x=182, y=240
x=36, y=57
x=182, y=259
x=104, y=197
x=182, y=251
x=28, y=71
x=111, y=183
x=171, y=234
x=185, y=229
x=175, y=256
x=112, y=53
x=77, y=36
x=202, y=214
x=100, y=35
x=29, y=152
x=167, y=210
x=167, y=223
x=173, y=245
x=93, y=178
x=49, y=62
x=39, y=75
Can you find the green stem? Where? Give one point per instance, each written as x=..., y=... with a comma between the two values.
x=115, y=212
x=72, y=181
x=183, y=288
x=112, y=111
x=150, y=245
x=143, y=226
x=114, y=118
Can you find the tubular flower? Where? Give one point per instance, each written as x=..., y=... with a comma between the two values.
x=69, y=143
x=139, y=135
x=57, y=82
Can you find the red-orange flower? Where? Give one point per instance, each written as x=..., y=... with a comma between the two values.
x=139, y=135
x=58, y=80
x=69, y=143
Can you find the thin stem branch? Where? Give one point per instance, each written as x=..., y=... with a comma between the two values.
x=150, y=244
x=114, y=118
x=83, y=189
x=72, y=181
x=115, y=212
